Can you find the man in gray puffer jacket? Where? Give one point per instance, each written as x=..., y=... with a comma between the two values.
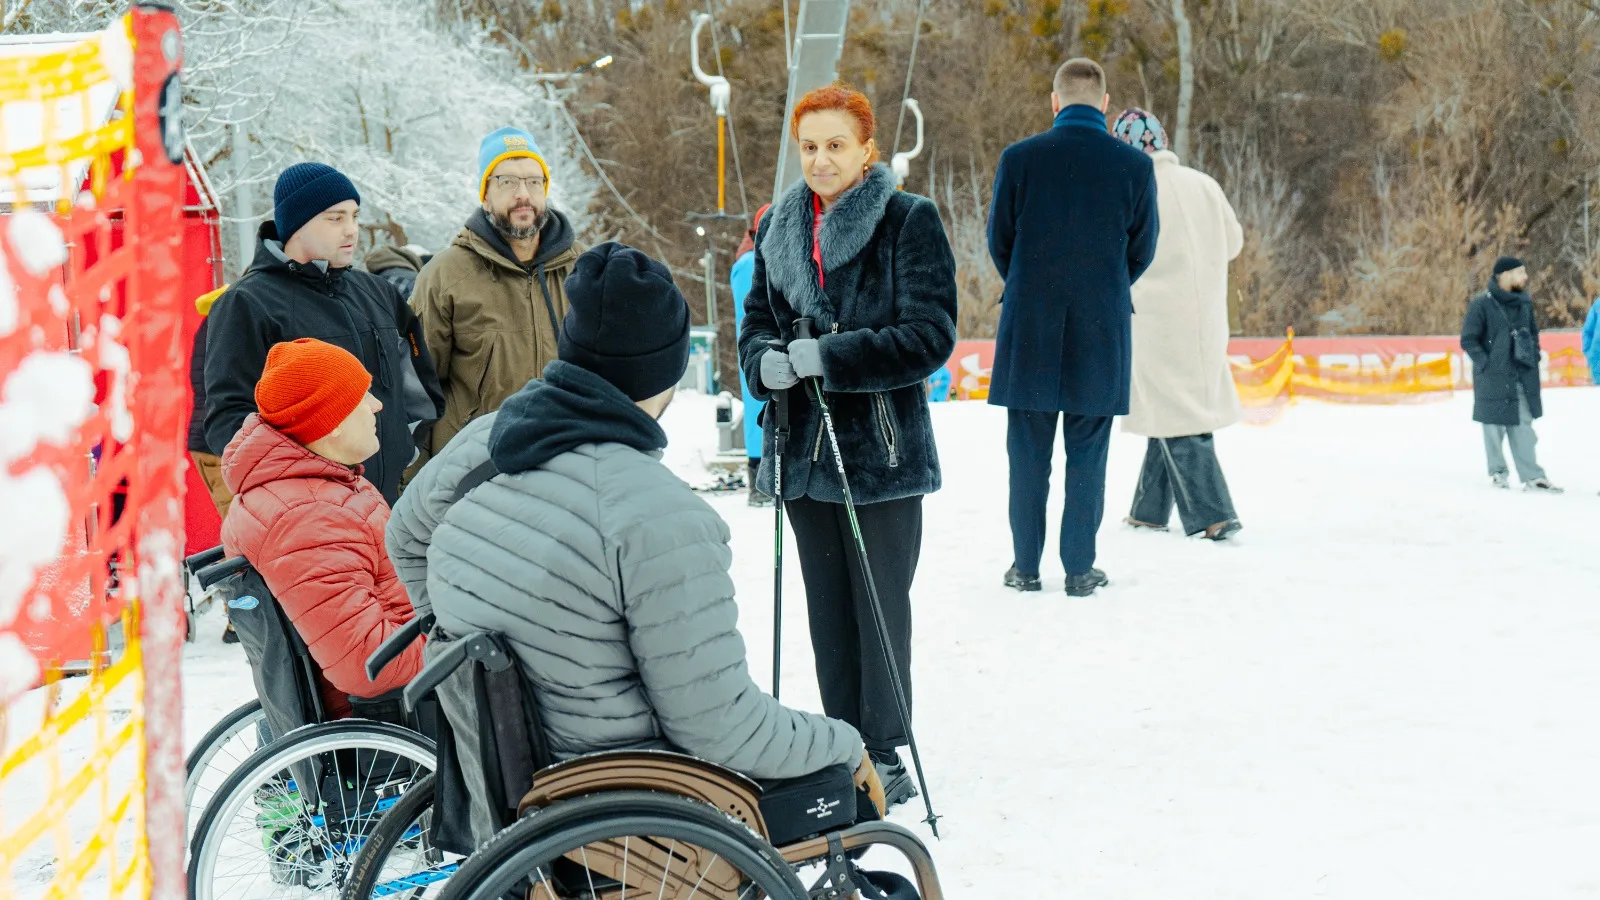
x=604, y=571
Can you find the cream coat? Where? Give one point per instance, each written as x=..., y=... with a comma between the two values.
x=1181, y=381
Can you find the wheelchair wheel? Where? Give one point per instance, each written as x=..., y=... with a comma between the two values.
x=219, y=754
x=267, y=834
x=622, y=843
x=398, y=860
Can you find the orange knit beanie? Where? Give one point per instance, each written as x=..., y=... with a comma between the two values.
x=308, y=387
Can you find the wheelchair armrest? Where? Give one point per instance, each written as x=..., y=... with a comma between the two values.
x=396, y=644
x=204, y=558
x=480, y=646
x=215, y=572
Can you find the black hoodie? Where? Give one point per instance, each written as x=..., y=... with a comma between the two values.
x=570, y=407
x=279, y=300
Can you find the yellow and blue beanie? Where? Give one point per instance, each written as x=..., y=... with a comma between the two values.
x=507, y=143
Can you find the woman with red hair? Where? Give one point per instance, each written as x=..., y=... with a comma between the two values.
x=871, y=266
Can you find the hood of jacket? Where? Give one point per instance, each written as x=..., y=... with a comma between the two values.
x=568, y=408
x=847, y=227
x=270, y=257
x=261, y=454
x=391, y=257
x=480, y=236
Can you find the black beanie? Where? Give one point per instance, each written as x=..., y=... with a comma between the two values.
x=1506, y=264
x=626, y=321
x=304, y=191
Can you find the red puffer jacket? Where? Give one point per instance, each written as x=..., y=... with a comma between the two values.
x=314, y=530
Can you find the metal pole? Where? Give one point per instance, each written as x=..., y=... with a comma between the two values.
x=243, y=212
x=710, y=264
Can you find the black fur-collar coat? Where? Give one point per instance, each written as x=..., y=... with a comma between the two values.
x=886, y=320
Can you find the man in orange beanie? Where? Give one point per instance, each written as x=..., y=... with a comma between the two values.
x=310, y=524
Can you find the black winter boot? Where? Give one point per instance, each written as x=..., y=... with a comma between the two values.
x=897, y=786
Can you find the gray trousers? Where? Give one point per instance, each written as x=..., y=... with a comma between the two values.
x=1523, y=444
x=1182, y=472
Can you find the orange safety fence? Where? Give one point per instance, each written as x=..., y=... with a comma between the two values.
x=1272, y=374
x=92, y=406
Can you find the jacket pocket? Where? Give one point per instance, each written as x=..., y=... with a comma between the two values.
x=883, y=416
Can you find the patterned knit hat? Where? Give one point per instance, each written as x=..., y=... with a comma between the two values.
x=308, y=387
x=507, y=143
x=1140, y=130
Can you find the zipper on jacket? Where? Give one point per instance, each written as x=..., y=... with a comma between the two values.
x=880, y=414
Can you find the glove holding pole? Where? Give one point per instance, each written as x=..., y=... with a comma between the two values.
x=808, y=360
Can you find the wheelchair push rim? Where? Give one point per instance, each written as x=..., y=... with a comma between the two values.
x=258, y=838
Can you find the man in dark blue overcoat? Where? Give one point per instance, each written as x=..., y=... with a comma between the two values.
x=1072, y=225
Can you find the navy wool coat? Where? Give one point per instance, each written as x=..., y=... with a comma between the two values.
x=1072, y=226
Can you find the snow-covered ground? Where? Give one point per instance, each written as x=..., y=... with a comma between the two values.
x=1384, y=688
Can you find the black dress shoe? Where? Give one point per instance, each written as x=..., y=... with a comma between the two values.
x=1018, y=581
x=1087, y=583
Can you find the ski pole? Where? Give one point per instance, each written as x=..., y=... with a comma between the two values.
x=780, y=444
x=804, y=328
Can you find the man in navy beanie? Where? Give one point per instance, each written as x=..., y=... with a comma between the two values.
x=605, y=572
x=301, y=284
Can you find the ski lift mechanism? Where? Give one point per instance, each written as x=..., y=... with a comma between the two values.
x=901, y=162
x=721, y=93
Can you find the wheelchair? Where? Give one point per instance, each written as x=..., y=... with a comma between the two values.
x=286, y=796
x=609, y=825
x=241, y=732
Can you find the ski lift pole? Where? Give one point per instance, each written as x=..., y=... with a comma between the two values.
x=721, y=93
x=901, y=163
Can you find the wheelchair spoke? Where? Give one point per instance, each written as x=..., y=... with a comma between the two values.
x=703, y=873
x=588, y=872
x=666, y=871
x=624, y=878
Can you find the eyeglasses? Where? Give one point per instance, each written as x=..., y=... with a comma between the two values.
x=509, y=183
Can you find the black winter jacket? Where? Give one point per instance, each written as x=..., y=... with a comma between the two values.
x=197, y=384
x=281, y=300
x=886, y=320
x=1486, y=338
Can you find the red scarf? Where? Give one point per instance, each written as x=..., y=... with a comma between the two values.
x=816, y=236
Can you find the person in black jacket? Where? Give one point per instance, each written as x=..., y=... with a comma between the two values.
x=871, y=266
x=206, y=463
x=301, y=284
x=1501, y=337
x=1072, y=226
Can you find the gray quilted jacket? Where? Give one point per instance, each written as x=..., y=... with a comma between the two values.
x=608, y=576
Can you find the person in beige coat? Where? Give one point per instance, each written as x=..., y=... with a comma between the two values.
x=1182, y=389
x=491, y=303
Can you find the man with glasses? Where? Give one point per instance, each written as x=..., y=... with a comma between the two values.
x=491, y=303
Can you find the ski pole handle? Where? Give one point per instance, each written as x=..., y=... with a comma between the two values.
x=804, y=329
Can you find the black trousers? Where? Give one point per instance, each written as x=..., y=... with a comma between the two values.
x=1030, y=440
x=852, y=669
x=1183, y=471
